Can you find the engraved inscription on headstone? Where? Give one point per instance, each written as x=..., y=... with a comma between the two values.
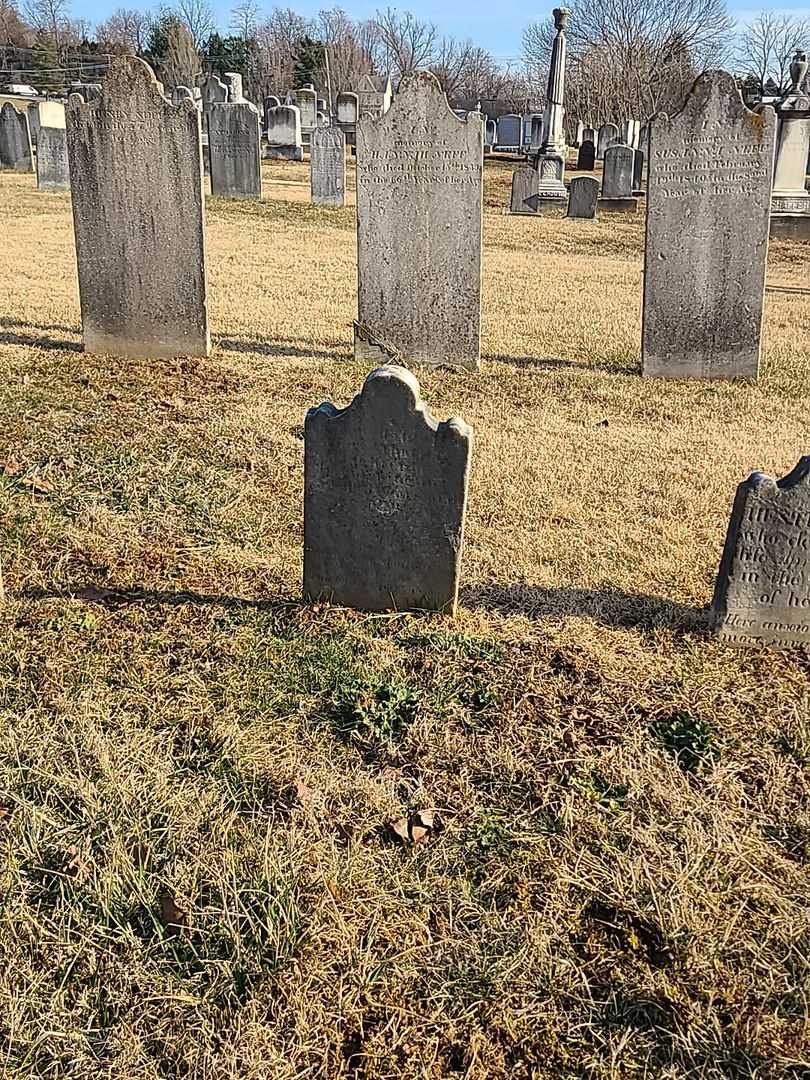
x=136, y=172
x=234, y=150
x=327, y=155
x=708, y=201
x=419, y=217
x=762, y=595
x=53, y=173
x=15, y=140
x=385, y=493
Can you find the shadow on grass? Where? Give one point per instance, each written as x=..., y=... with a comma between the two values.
x=117, y=598
x=281, y=348
x=13, y=332
x=550, y=363
x=609, y=607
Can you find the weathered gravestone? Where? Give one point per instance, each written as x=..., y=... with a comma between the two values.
x=509, y=131
x=270, y=102
x=583, y=195
x=89, y=91
x=284, y=134
x=327, y=156
x=762, y=595
x=180, y=93
x=136, y=171
x=15, y=140
x=638, y=171
x=419, y=217
x=234, y=150
x=233, y=81
x=213, y=91
x=617, y=179
x=586, y=157
x=307, y=102
x=708, y=200
x=525, y=190
x=608, y=134
x=348, y=111
x=53, y=172
x=588, y=135
x=385, y=493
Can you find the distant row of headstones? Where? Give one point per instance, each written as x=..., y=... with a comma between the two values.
x=622, y=179
x=385, y=488
x=521, y=134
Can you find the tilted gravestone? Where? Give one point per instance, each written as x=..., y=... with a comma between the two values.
x=617, y=179
x=136, y=171
x=327, y=156
x=608, y=134
x=283, y=134
x=15, y=140
x=234, y=150
x=762, y=595
x=525, y=190
x=53, y=172
x=419, y=219
x=583, y=195
x=586, y=158
x=385, y=493
x=708, y=202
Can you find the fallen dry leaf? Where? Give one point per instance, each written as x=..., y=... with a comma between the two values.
x=172, y=917
x=417, y=828
x=76, y=866
x=334, y=890
x=37, y=485
x=12, y=467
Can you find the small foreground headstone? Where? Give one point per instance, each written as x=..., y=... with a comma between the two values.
x=525, y=184
x=762, y=595
x=583, y=195
x=385, y=493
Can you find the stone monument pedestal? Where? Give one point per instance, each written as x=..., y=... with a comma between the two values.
x=790, y=200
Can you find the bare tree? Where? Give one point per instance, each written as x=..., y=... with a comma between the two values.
x=347, y=56
x=50, y=18
x=126, y=30
x=276, y=44
x=404, y=43
x=243, y=19
x=766, y=46
x=198, y=18
x=13, y=31
x=450, y=63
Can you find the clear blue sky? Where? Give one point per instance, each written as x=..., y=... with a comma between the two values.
x=496, y=25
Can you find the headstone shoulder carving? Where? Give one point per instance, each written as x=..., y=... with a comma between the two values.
x=762, y=594
x=708, y=199
x=234, y=150
x=385, y=491
x=419, y=221
x=16, y=152
x=327, y=155
x=136, y=171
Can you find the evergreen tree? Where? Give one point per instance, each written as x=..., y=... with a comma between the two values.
x=308, y=60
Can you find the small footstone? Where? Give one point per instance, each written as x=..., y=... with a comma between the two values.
x=385, y=493
x=583, y=194
x=762, y=595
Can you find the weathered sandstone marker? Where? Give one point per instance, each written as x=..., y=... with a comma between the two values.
x=327, y=156
x=419, y=217
x=385, y=493
x=136, y=172
x=53, y=173
x=708, y=200
x=234, y=150
x=762, y=595
x=583, y=194
x=15, y=140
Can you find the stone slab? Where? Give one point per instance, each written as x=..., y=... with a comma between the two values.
x=762, y=594
x=790, y=226
x=136, y=172
x=708, y=200
x=619, y=206
x=385, y=492
x=234, y=150
x=327, y=167
x=586, y=158
x=16, y=152
x=583, y=194
x=617, y=175
x=53, y=172
x=525, y=184
x=419, y=222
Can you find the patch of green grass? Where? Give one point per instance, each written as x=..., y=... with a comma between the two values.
x=690, y=740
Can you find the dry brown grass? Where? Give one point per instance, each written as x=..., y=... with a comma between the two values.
x=620, y=888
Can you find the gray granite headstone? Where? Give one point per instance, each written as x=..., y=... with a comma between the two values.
x=15, y=140
x=270, y=102
x=638, y=170
x=284, y=133
x=762, y=595
x=348, y=108
x=307, y=102
x=525, y=184
x=583, y=194
x=53, y=172
x=617, y=176
x=385, y=493
x=608, y=134
x=234, y=150
x=33, y=122
x=419, y=217
x=136, y=172
x=509, y=131
x=212, y=92
x=586, y=157
x=589, y=134
x=708, y=202
x=327, y=156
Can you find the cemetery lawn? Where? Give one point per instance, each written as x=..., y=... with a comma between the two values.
x=198, y=773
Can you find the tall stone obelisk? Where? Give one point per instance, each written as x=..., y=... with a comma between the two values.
x=551, y=159
x=790, y=205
